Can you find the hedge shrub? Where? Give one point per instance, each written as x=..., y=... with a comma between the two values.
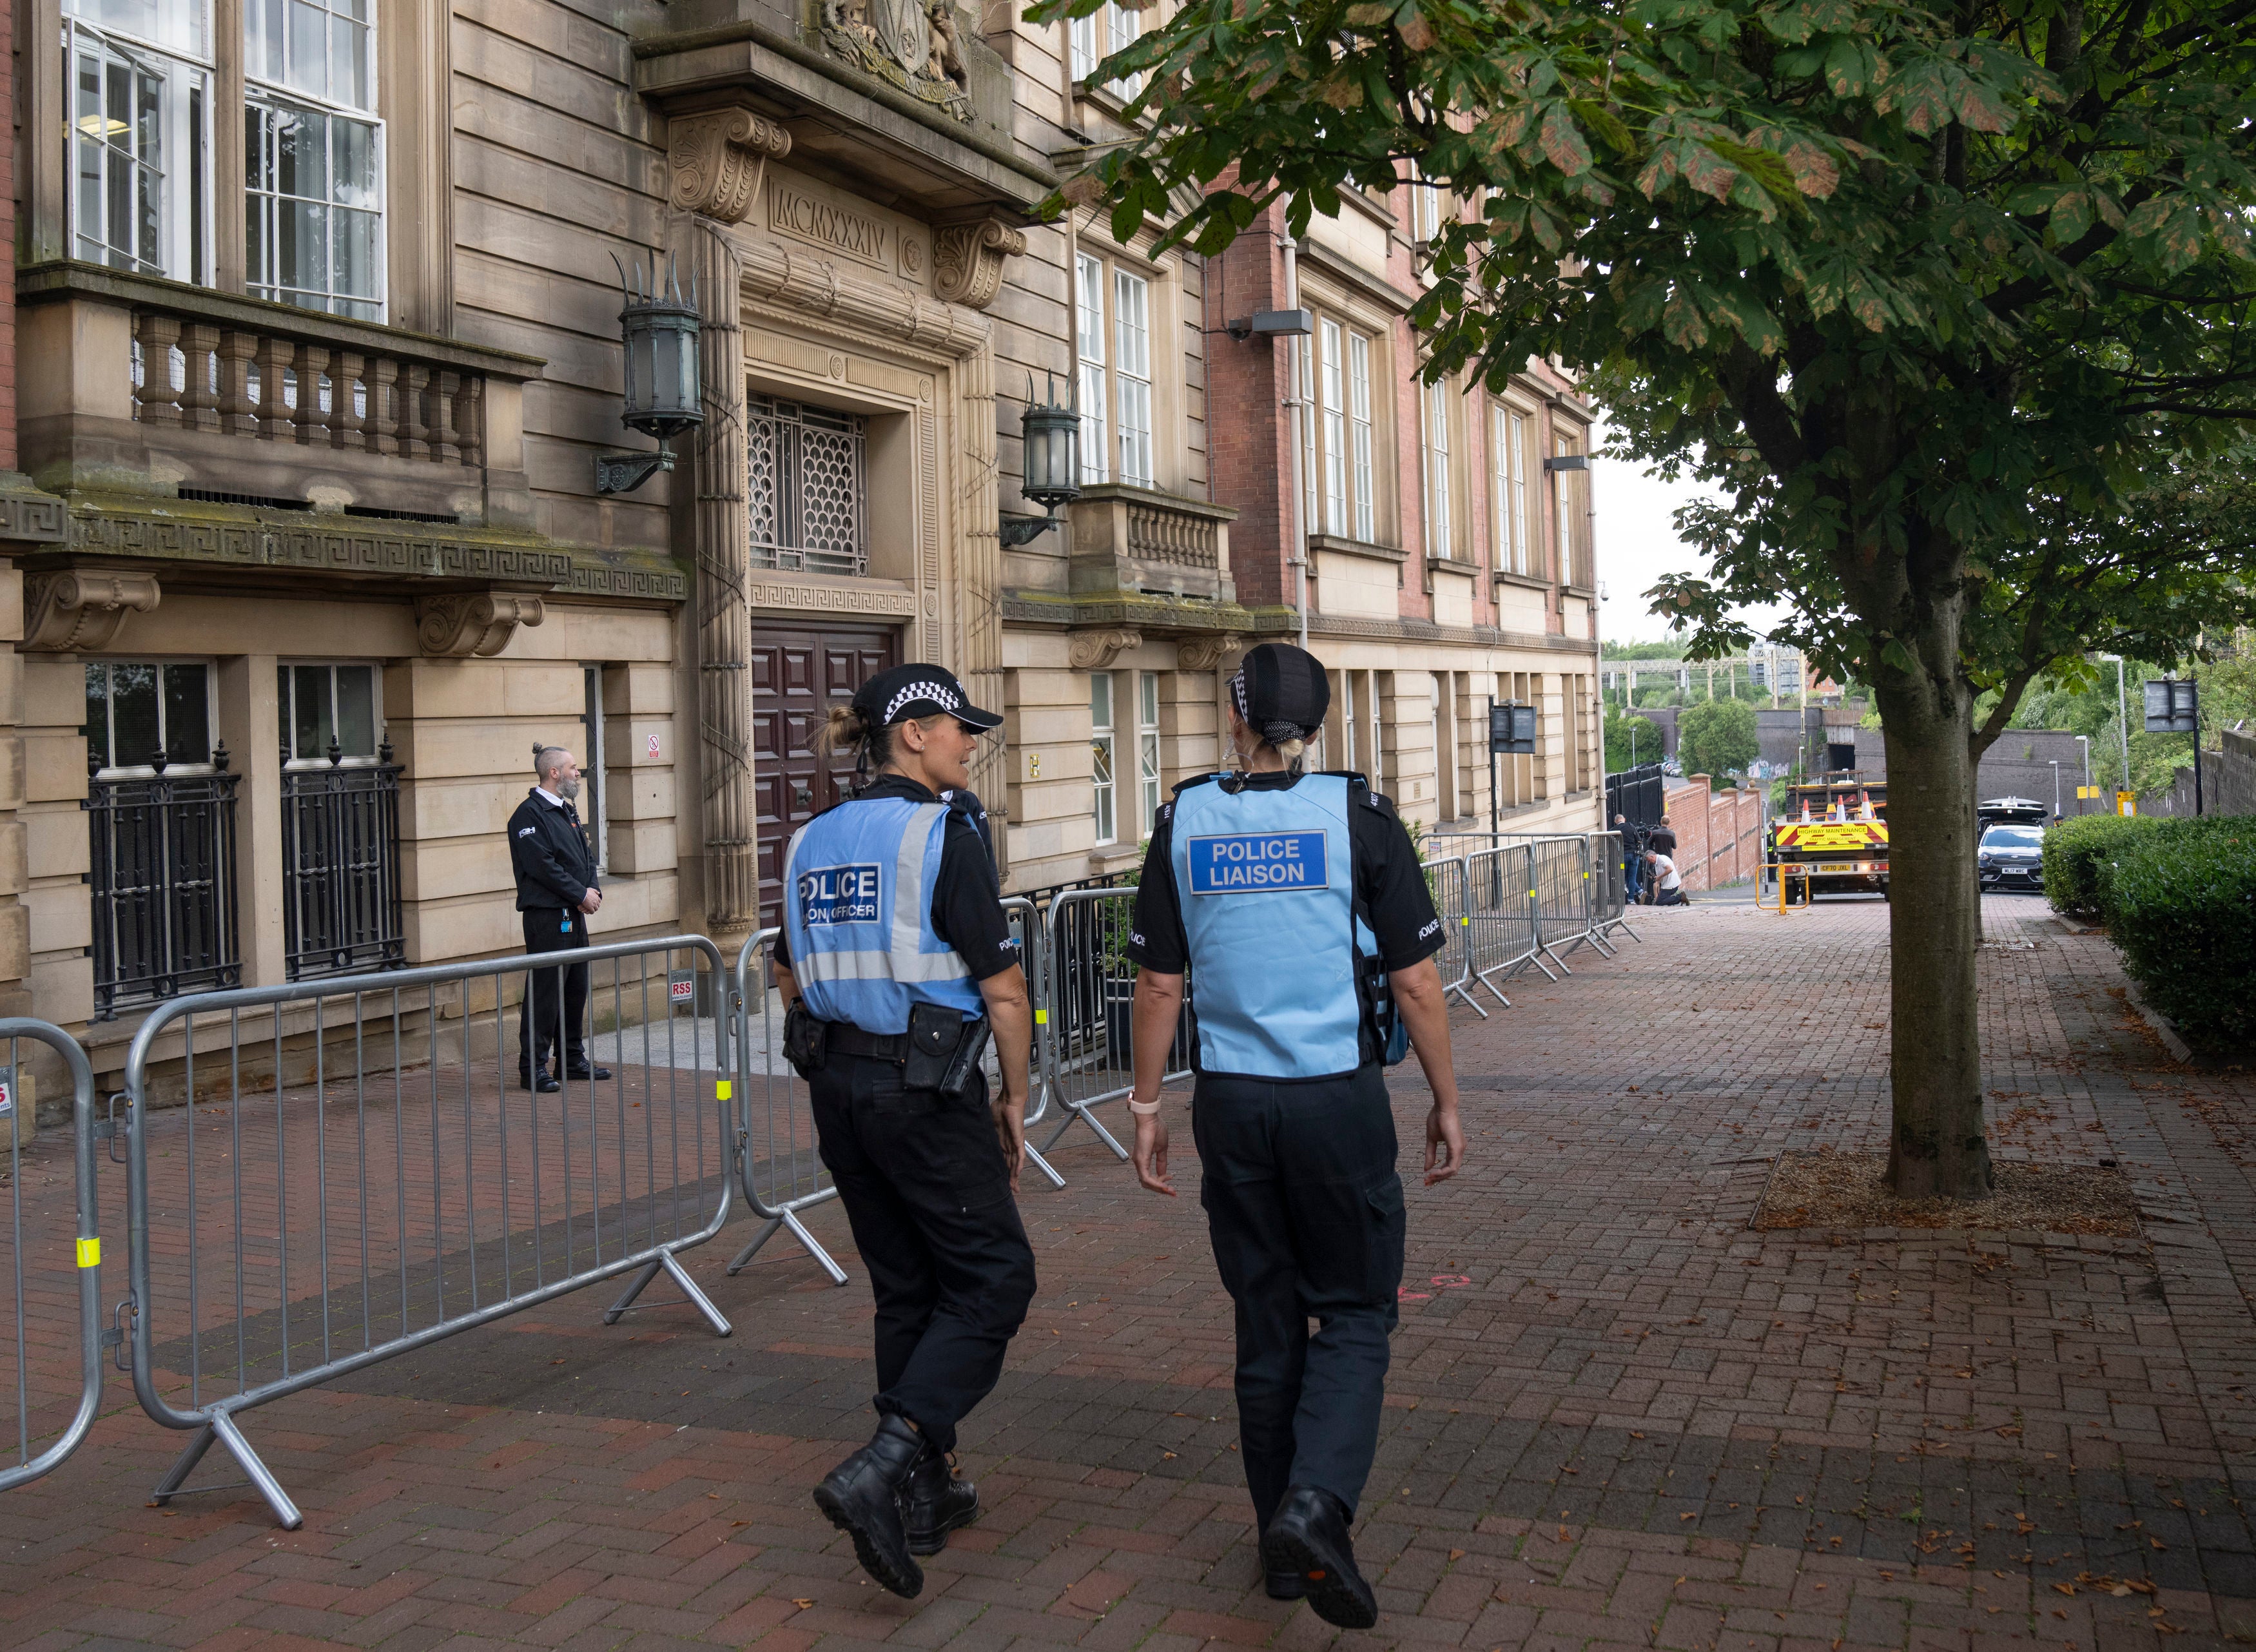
x=2181, y=905
x=2076, y=855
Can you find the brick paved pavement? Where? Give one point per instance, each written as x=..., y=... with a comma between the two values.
x=1617, y=1417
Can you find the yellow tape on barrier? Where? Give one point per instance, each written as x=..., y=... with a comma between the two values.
x=721, y=1090
x=89, y=1252
x=1041, y=1018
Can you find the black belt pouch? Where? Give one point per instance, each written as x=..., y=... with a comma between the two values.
x=806, y=1040
x=934, y=1031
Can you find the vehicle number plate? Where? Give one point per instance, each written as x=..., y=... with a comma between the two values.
x=1837, y=868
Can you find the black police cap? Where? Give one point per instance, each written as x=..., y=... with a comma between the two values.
x=1283, y=684
x=919, y=691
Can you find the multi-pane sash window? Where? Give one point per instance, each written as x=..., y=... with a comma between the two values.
x=325, y=705
x=1094, y=390
x=1425, y=208
x=142, y=715
x=806, y=487
x=1508, y=439
x=1147, y=750
x=1304, y=387
x=341, y=883
x=1096, y=37
x=1115, y=389
x=313, y=155
x=160, y=818
x=1338, y=475
x=1332, y=381
x=1439, y=536
x=1132, y=374
x=1358, y=380
x=1573, y=503
x=1104, y=749
x=138, y=92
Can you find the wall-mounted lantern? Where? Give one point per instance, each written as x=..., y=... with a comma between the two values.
x=659, y=327
x=1051, y=468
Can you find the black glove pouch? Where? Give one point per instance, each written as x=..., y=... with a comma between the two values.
x=806, y=1040
x=934, y=1031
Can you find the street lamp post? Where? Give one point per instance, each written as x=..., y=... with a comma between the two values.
x=2123, y=712
x=2084, y=740
x=2055, y=786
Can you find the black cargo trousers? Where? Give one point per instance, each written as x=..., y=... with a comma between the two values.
x=1305, y=1211
x=929, y=1196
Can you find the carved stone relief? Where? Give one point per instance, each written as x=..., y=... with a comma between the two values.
x=967, y=260
x=473, y=622
x=1205, y=653
x=912, y=43
x=1095, y=650
x=716, y=161
x=79, y=610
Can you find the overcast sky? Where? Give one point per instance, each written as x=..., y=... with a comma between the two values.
x=1638, y=545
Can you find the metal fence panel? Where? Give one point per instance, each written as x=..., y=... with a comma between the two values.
x=53, y=1403
x=326, y=1207
x=1446, y=881
x=1504, y=930
x=779, y=1161
x=1092, y=987
x=1562, y=913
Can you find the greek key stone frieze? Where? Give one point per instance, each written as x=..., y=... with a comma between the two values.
x=838, y=599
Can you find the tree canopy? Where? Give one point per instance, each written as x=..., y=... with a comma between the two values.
x=1952, y=301
x=1717, y=737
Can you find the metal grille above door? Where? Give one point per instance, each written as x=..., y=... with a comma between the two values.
x=807, y=487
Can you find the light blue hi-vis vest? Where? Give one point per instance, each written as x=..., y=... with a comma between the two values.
x=1265, y=880
x=858, y=883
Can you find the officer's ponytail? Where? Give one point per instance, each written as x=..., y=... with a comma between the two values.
x=1290, y=739
x=845, y=730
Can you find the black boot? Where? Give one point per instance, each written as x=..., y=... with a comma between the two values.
x=1308, y=1536
x=862, y=1498
x=1287, y=1586
x=934, y=1503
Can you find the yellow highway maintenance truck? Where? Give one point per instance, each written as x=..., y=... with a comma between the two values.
x=1831, y=837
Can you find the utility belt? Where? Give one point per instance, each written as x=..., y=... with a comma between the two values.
x=940, y=1051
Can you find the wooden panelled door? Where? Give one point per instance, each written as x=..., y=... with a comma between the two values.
x=799, y=672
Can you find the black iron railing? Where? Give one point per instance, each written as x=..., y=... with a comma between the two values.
x=163, y=879
x=341, y=868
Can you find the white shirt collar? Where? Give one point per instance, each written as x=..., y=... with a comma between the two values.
x=547, y=797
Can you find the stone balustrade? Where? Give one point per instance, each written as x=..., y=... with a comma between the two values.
x=127, y=384
x=1138, y=539
x=274, y=387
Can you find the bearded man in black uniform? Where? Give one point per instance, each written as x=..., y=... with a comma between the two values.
x=556, y=895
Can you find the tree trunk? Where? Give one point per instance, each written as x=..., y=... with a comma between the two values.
x=1936, y=1146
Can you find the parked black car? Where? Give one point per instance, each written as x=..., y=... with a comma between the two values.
x=2012, y=858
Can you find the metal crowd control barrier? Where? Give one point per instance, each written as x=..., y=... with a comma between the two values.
x=778, y=1166
x=1032, y=935
x=1562, y=913
x=1446, y=881
x=1092, y=987
x=1604, y=900
x=41, y=1405
x=321, y=1218
x=1503, y=914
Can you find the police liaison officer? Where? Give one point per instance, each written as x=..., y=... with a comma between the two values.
x=1298, y=903
x=896, y=962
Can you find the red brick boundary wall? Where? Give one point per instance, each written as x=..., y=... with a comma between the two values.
x=1718, y=834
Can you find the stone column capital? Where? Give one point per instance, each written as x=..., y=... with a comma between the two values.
x=1205, y=654
x=462, y=624
x=79, y=609
x=1095, y=650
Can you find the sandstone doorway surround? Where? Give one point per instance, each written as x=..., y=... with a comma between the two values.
x=898, y=338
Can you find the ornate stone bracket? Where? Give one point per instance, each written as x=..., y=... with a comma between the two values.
x=473, y=622
x=1205, y=653
x=79, y=612
x=967, y=260
x=716, y=161
x=1095, y=650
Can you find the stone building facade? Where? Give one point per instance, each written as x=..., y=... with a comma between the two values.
x=321, y=344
